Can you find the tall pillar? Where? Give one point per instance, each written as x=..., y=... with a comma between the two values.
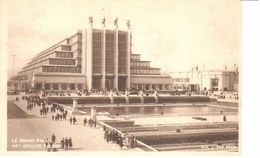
x=156, y=96
x=88, y=57
x=115, y=84
x=128, y=57
x=93, y=113
x=111, y=97
x=127, y=96
x=142, y=96
x=103, y=57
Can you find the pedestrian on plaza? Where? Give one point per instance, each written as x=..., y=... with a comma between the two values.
x=135, y=142
x=46, y=142
x=52, y=117
x=66, y=143
x=53, y=138
x=74, y=120
x=224, y=118
x=120, y=142
x=50, y=143
x=60, y=116
x=70, y=120
x=70, y=142
x=85, y=121
x=62, y=143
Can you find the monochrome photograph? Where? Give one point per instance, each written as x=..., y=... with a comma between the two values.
x=129, y=76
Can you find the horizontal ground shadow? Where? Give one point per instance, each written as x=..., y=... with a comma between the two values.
x=14, y=112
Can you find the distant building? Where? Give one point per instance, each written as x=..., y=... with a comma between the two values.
x=213, y=80
x=91, y=59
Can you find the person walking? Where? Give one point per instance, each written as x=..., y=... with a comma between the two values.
x=66, y=143
x=62, y=143
x=70, y=142
x=46, y=142
x=85, y=121
x=74, y=120
x=70, y=120
x=53, y=138
x=224, y=118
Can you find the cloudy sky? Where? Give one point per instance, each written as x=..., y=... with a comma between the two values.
x=173, y=34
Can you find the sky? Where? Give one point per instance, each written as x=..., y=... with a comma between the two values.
x=173, y=34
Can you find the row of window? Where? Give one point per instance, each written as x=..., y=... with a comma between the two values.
x=96, y=45
x=109, y=61
x=140, y=64
x=110, y=45
x=66, y=48
x=60, y=69
x=122, y=70
x=151, y=87
x=97, y=36
x=76, y=46
x=64, y=54
x=57, y=86
x=122, y=37
x=181, y=79
x=109, y=69
x=122, y=46
x=145, y=71
x=135, y=57
x=61, y=62
x=110, y=37
x=96, y=68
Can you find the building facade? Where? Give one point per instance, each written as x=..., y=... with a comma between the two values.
x=99, y=59
x=212, y=80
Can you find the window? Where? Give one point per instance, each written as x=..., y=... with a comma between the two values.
x=64, y=86
x=97, y=36
x=72, y=86
x=47, y=86
x=80, y=87
x=55, y=86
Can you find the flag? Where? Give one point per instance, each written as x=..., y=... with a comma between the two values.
x=128, y=23
x=103, y=21
x=115, y=22
x=197, y=68
x=90, y=19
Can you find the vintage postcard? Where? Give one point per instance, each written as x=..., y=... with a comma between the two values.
x=122, y=76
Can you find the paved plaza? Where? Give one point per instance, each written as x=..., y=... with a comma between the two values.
x=27, y=129
x=27, y=132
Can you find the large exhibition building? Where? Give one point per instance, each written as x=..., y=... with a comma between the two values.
x=92, y=59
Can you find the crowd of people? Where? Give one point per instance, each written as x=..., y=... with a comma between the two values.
x=87, y=93
x=52, y=145
x=112, y=136
x=34, y=100
x=66, y=143
x=73, y=120
x=90, y=122
x=59, y=113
